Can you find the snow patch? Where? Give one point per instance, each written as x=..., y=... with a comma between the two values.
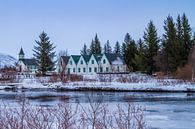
x=7, y=60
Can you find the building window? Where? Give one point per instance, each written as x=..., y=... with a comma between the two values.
x=101, y=69
x=73, y=70
x=68, y=70
x=104, y=61
x=81, y=62
x=90, y=69
x=70, y=62
x=106, y=69
x=95, y=69
x=79, y=70
x=118, y=68
x=92, y=61
x=84, y=70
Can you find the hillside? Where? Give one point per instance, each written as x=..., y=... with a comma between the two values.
x=7, y=60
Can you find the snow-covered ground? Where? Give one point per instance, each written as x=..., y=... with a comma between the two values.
x=166, y=85
x=151, y=84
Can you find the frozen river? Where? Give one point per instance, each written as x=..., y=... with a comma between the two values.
x=162, y=110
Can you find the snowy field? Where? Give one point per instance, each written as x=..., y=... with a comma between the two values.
x=133, y=82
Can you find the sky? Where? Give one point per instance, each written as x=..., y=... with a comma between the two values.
x=71, y=23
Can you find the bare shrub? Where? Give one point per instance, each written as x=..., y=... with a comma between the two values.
x=129, y=117
x=66, y=116
x=96, y=115
x=185, y=72
x=74, y=77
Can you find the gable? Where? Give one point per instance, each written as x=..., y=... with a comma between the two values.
x=65, y=59
x=82, y=61
x=86, y=58
x=76, y=58
x=71, y=61
x=93, y=59
x=98, y=57
x=106, y=60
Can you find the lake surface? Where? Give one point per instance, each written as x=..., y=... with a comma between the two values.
x=162, y=110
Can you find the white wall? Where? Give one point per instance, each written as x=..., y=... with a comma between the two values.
x=25, y=68
x=71, y=66
x=92, y=66
x=105, y=65
x=82, y=66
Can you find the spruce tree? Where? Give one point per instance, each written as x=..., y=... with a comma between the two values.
x=151, y=40
x=117, y=48
x=97, y=45
x=123, y=48
x=140, y=59
x=44, y=54
x=187, y=42
x=84, y=50
x=170, y=45
x=129, y=52
x=179, y=42
x=92, y=47
x=107, y=47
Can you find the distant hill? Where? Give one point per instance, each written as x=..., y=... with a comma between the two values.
x=7, y=60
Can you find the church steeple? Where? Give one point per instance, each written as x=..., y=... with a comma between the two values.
x=21, y=54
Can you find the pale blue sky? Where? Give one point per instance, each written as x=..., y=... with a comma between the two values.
x=71, y=23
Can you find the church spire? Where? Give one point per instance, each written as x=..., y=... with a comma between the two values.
x=21, y=54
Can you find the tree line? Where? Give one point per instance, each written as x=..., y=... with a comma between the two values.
x=96, y=48
x=152, y=53
x=149, y=54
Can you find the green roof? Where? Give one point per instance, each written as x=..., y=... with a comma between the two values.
x=86, y=58
x=76, y=58
x=98, y=57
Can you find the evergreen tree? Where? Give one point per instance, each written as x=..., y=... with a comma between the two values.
x=193, y=39
x=97, y=45
x=151, y=40
x=44, y=54
x=84, y=50
x=130, y=50
x=140, y=59
x=117, y=48
x=107, y=47
x=123, y=48
x=187, y=42
x=170, y=45
x=179, y=30
x=179, y=42
x=92, y=47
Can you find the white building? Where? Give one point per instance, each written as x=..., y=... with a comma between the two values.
x=92, y=64
x=26, y=65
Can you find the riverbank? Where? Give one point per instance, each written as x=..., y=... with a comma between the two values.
x=166, y=85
